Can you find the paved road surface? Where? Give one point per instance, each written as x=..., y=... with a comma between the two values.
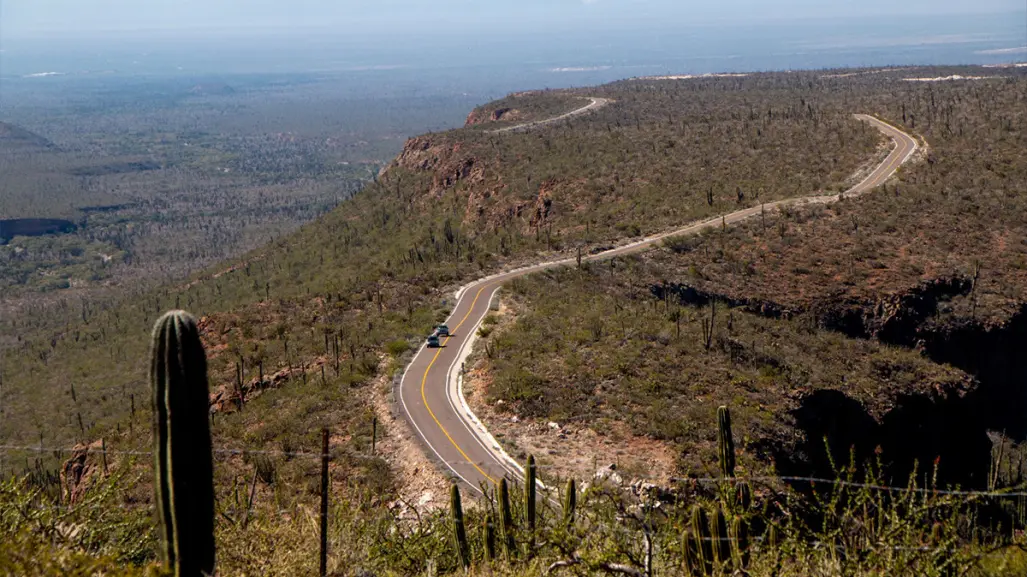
x=429, y=391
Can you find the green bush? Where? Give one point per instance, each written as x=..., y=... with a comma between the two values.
x=397, y=348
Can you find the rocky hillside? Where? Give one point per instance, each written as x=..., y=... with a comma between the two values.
x=631, y=167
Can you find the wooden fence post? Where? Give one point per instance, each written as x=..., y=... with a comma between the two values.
x=103, y=448
x=324, y=502
x=374, y=434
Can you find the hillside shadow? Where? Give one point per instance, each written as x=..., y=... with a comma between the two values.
x=918, y=433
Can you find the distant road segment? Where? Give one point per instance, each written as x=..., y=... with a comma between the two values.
x=595, y=104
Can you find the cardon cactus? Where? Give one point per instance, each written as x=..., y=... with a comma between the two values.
x=529, y=504
x=739, y=543
x=743, y=497
x=490, y=538
x=725, y=442
x=570, y=503
x=463, y=550
x=691, y=553
x=506, y=519
x=183, y=465
x=721, y=542
x=701, y=529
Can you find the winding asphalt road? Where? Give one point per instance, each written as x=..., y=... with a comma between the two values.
x=430, y=391
x=595, y=104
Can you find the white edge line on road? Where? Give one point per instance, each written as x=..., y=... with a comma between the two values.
x=411, y=420
x=873, y=172
x=474, y=426
x=467, y=416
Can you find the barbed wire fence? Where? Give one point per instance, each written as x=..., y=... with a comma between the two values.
x=761, y=479
x=89, y=450
x=103, y=452
x=92, y=505
x=1017, y=492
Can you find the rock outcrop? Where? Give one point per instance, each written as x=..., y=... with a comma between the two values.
x=79, y=472
x=483, y=115
x=446, y=160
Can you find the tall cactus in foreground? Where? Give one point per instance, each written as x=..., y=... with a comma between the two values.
x=506, y=519
x=490, y=538
x=743, y=497
x=463, y=550
x=701, y=529
x=529, y=492
x=721, y=541
x=725, y=442
x=530, y=503
x=570, y=503
x=184, y=479
x=691, y=554
x=739, y=543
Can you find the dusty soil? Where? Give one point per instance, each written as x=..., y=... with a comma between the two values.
x=421, y=484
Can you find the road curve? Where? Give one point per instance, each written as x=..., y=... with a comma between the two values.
x=430, y=390
x=595, y=104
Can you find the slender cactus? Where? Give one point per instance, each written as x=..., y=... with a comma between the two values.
x=721, y=543
x=570, y=503
x=463, y=550
x=739, y=543
x=701, y=529
x=490, y=538
x=183, y=454
x=725, y=442
x=506, y=519
x=325, y=490
x=529, y=493
x=743, y=497
x=530, y=504
x=691, y=553
x=773, y=541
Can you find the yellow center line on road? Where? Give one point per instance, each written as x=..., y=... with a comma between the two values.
x=424, y=381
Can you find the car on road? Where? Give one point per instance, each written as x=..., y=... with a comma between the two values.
x=442, y=331
x=433, y=341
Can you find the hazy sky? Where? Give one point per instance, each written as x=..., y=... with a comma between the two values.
x=21, y=18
